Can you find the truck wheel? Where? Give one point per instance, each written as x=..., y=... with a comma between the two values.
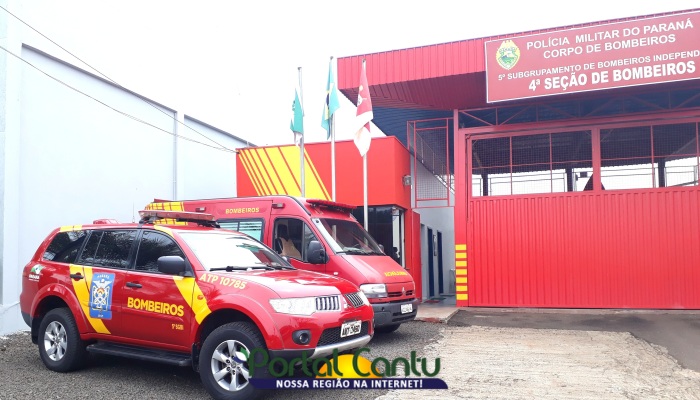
x=60, y=346
x=223, y=361
x=387, y=328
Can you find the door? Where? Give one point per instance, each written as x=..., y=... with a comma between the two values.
x=98, y=278
x=431, y=264
x=291, y=239
x=413, y=250
x=441, y=273
x=154, y=307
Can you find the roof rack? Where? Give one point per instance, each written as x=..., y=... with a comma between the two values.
x=203, y=219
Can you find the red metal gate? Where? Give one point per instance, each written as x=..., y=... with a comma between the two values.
x=547, y=228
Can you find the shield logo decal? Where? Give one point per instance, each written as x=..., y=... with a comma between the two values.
x=508, y=54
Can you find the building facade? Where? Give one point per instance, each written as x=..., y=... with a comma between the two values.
x=76, y=147
x=572, y=154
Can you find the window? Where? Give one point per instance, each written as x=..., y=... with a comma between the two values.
x=64, y=246
x=649, y=156
x=526, y=164
x=87, y=257
x=346, y=236
x=252, y=227
x=109, y=249
x=221, y=249
x=153, y=246
x=292, y=237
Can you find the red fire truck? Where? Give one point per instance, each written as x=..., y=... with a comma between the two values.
x=320, y=236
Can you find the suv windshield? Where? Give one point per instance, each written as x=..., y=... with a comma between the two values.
x=346, y=236
x=217, y=250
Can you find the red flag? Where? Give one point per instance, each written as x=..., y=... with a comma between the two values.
x=364, y=115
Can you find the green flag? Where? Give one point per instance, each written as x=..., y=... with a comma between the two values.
x=332, y=103
x=297, y=122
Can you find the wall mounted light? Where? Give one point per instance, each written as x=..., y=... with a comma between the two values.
x=407, y=180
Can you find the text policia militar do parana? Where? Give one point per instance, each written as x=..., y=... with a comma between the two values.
x=624, y=68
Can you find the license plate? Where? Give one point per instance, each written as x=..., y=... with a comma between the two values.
x=350, y=328
x=406, y=308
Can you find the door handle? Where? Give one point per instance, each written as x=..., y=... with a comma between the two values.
x=77, y=277
x=133, y=285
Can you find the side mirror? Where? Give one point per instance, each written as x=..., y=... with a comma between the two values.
x=315, y=253
x=381, y=247
x=172, y=265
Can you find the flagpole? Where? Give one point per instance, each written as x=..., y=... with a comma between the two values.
x=364, y=173
x=364, y=183
x=301, y=146
x=331, y=124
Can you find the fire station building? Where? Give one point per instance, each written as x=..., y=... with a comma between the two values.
x=568, y=158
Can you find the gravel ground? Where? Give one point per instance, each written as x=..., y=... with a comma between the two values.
x=25, y=377
x=477, y=362
x=515, y=363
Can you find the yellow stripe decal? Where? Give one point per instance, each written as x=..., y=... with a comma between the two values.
x=255, y=173
x=272, y=172
x=291, y=185
x=69, y=228
x=462, y=256
x=461, y=272
x=291, y=156
x=461, y=279
x=163, y=229
x=462, y=296
x=80, y=287
x=276, y=170
x=462, y=263
x=251, y=174
x=267, y=182
x=190, y=291
x=316, y=177
x=461, y=288
x=461, y=247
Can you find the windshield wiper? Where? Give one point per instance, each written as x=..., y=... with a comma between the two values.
x=353, y=250
x=231, y=268
x=276, y=265
x=258, y=265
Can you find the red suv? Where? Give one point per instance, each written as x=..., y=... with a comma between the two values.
x=184, y=295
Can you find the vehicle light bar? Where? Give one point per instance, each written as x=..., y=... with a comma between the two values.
x=105, y=221
x=331, y=204
x=177, y=215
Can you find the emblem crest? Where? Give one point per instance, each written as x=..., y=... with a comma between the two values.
x=507, y=54
x=101, y=296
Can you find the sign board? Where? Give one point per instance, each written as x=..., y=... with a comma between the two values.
x=621, y=54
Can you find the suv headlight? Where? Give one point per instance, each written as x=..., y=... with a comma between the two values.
x=374, y=290
x=297, y=306
x=362, y=295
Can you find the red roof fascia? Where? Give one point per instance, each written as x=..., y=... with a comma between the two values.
x=434, y=61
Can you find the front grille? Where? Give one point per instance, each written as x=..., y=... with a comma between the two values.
x=354, y=299
x=399, y=294
x=332, y=335
x=327, y=303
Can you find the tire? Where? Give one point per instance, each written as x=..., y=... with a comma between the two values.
x=228, y=380
x=60, y=346
x=387, y=328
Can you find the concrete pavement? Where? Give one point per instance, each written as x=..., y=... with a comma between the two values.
x=676, y=331
x=486, y=363
x=439, y=313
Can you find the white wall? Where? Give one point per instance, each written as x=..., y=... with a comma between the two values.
x=78, y=148
x=10, y=72
x=439, y=217
x=206, y=172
